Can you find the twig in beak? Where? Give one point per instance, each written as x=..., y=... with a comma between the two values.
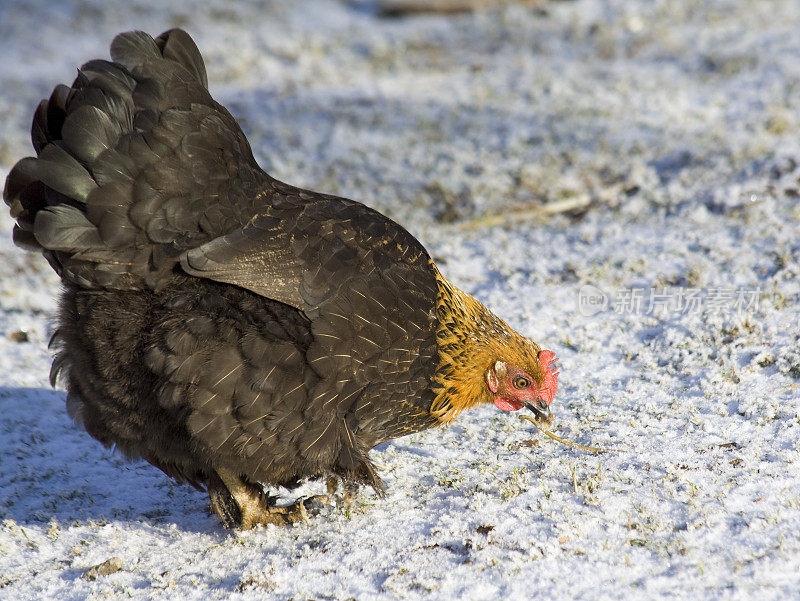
x=566, y=442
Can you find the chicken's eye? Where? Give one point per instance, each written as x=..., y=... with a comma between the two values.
x=520, y=382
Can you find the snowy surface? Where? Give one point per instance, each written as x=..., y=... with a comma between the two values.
x=679, y=119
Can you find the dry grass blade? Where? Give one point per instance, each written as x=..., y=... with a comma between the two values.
x=401, y=8
x=550, y=208
x=568, y=443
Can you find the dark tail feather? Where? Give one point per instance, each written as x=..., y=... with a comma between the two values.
x=75, y=200
x=177, y=45
x=137, y=51
x=133, y=48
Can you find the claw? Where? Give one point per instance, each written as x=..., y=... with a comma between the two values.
x=332, y=484
x=243, y=505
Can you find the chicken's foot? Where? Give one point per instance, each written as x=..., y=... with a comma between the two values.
x=347, y=496
x=241, y=504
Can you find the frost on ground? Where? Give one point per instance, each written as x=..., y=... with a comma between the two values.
x=679, y=121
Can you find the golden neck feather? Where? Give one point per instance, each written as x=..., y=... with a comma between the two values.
x=470, y=339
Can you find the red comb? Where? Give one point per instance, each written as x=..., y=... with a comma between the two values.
x=550, y=383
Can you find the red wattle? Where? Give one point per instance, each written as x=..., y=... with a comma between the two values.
x=506, y=404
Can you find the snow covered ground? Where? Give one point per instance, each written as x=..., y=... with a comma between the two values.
x=672, y=301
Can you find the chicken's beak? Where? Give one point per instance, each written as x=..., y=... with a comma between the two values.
x=540, y=410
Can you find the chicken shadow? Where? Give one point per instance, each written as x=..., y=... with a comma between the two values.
x=52, y=470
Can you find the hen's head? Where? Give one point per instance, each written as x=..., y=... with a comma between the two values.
x=525, y=382
x=483, y=360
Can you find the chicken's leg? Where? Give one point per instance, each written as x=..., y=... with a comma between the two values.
x=349, y=494
x=240, y=504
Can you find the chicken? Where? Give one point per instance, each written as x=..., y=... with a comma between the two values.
x=235, y=331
